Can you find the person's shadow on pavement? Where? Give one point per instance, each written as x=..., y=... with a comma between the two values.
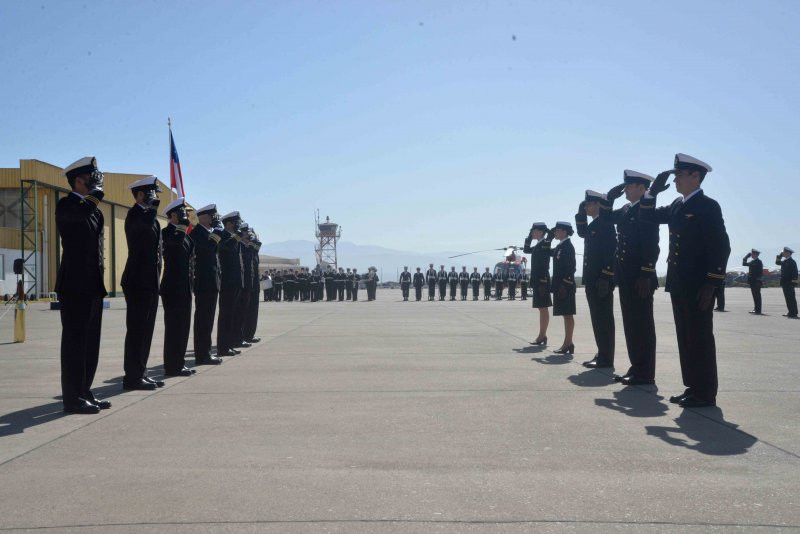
x=593, y=378
x=705, y=430
x=634, y=402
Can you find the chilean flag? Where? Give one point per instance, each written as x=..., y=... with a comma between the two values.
x=175, y=176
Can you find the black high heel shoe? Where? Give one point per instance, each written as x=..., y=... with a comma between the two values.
x=566, y=350
x=542, y=341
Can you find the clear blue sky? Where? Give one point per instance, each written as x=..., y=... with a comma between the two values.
x=416, y=125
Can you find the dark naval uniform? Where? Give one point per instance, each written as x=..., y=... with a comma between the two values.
x=243, y=306
x=405, y=283
x=788, y=283
x=340, y=279
x=356, y=279
x=540, y=270
x=523, y=284
x=563, y=288
x=698, y=256
x=599, y=248
x=80, y=289
x=140, y=282
x=206, y=289
x=251, y=316
x=475, y=281
x=277, y=285
x=441, y=278
x=419, y=281
x=231, y=285
x=348, y=285
x=176, y=295
x=430, y=279
x=330, y=285
x=498, y=285
x=452, y=278
x=755, y=272
x=486, y=278
x=511, y=279
x=463, y=282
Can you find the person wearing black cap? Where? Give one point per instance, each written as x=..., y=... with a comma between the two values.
x=206, y=237
x=475, y=280
x=599, y=247
x=563, y=288
x=405, y=282
x=698, y=256
x=452, y=279
x=251, y=316
x=487, y=278
x=231, y=285
x=441, y=278
x=755, y=272
x=372, y=283
x=499, y=278
x=511, y=280
x=463, y=282
x=348, y=285
x=523, y=283
x=243, y=301
x=430, y=279
x=176, y=288
x=356, y=279
x=79, y=285
x=340, y=278
x=313, y=280
x=635, y=276
x=419, y=281
x=140, y=282
x=540, y=275
x=788, y=280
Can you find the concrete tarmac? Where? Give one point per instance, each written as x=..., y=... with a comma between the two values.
x=393, y=416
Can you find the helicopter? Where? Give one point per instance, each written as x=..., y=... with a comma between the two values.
x=512, y=259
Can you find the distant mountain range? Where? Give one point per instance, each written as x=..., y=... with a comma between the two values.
x=390, y=261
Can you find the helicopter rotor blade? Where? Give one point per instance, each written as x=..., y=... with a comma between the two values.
x=475, y=252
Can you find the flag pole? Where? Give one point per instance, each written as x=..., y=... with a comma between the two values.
x=169, y=128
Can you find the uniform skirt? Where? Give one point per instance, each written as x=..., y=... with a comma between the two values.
x=541, y=301
x=565, y=306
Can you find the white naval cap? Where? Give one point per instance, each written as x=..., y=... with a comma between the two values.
x=594, y=195
x=789, y=250
x=564, y=225
x=538, y=225
x=151, y=182
x=684, y=161
x=231, y=215
x=178, y=202
x=244, y=227
x=211, y=208
x=82, y=166
x=635, y=177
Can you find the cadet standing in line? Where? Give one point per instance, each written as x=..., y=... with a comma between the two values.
x=348, y=285
x=475, y=280
x=176, y=288
x=463, y=282
x=340, y=283
x=523, y=283
x=356, y=279
x=635, y=275
x=79, y=285
x=430, y=279
x=231, y=285
x=330, y=284
x=277, y=284
x=372, y=283
x=405, y=282
x=441, y=278
x=140, y=281
x=419, y=281
x=564, y=283
x=498, y=284
x=599, y=247
x=452, y=278
x=698, y=256
x=206, y=240
x=540, y=276
x=755, y=272
x=251, y=317
x=788, y=280
x=243, y=302
x=486, y=278
x=321, y=286
x=511, y=280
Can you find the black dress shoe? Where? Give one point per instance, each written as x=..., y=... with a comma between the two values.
x=590, y=363
x=82, y=407
x=598, y=364
x=141, y=384
x=244, y=345
x=676, y=399
x=158, y=383
x=182, y=372
x=102, y=404
x=257, y=339
x=229, y=352
x=208, y=360
x=753, y=312
x=633, y=381
x=695, y=402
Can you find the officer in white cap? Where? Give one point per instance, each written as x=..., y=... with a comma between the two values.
x=140, y=282
x=755, y=272
x=231, y=285
x=635, y=276
x=487, y=278
x=698, y=257
x=563, y=287
x=463, y=282
x=788, y=280
x=599, y=247
x=475, y=282
x=79, y=285
x=405, y=282
x=206, y=237
x=452, y=278
x=430, y=279
x=176, y=288
x=251, y=315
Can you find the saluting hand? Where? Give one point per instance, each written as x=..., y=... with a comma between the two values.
x=582, y=208
x=615, y=192
x=660, y=183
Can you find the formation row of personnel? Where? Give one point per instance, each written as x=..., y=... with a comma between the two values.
x=460, y=283
x=755, y=275
x=319, y=284
x=216, y=261
x=621, y=248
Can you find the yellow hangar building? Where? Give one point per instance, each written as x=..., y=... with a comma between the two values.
x=28, y=197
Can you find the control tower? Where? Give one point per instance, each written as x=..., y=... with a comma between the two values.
x=328, y=234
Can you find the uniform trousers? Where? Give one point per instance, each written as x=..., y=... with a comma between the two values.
x=487, y=290
x=755, y=290
x=512, y=291
x=453, y=290
x=476, y=288
x=355, y=292
x=640, y=331
x=81, y=319
x=791, y=300
x=431, y=290
x=601, y=310
x=340, y=290
x=140, y=321
x=698, y=352
x=405, y=287
x=464, y=289
x=205, y=307
x=228, y=300
x=523, y=290
x=498, y=289
x=418, y=292
x=240, y=314
x=442, y=289
x=719, y=295
x=251, y=320
x=177, y=324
